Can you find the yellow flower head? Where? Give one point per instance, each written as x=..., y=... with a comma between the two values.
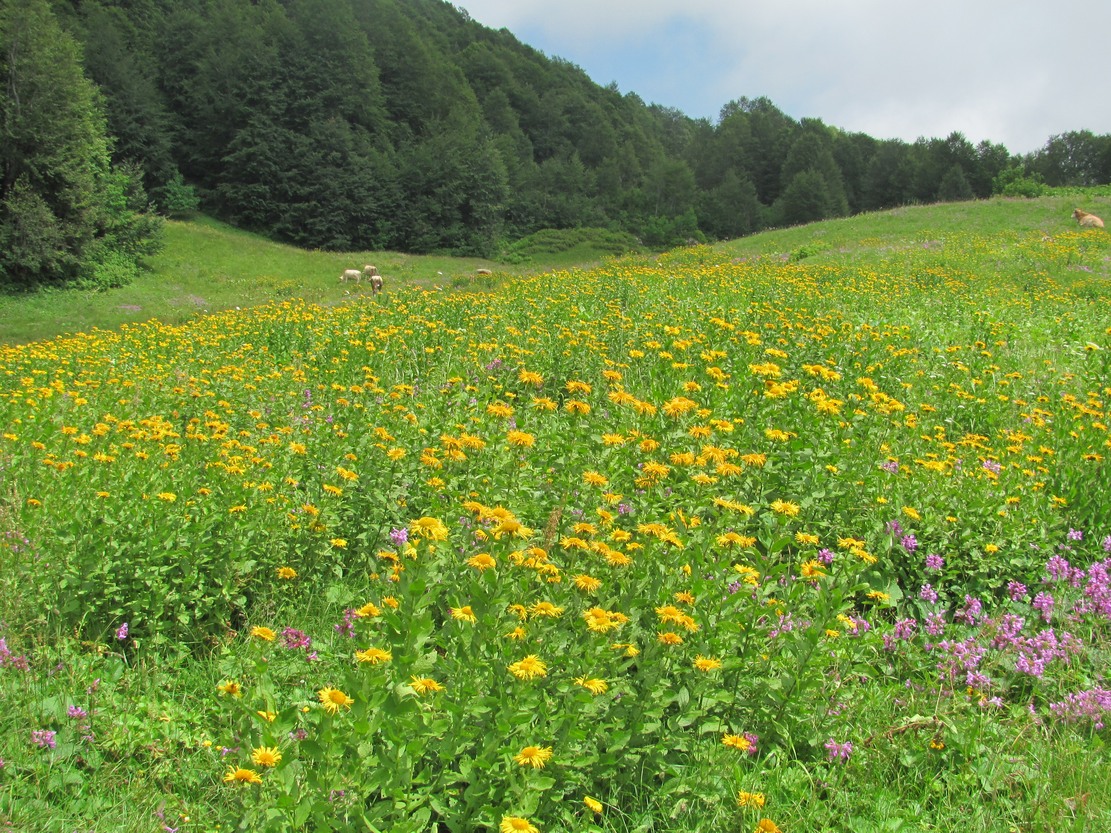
x=231, y=688
x=373, y=656
x=240, y=775
x=332, y=699
x=534, y=756
x=516, y=824
x=592, y=804
x=594, y=685
x=263, y=633
x=287, y=573
x=463, y=614
x=425, y=685
x=482, y=562
x=706, y=664
x=266, y=756
x=745, y=799
x=528, y=668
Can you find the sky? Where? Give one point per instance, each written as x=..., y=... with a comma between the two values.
x=1013, y=72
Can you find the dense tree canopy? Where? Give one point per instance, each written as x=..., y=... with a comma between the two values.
x=347, y=124
x=66, y=214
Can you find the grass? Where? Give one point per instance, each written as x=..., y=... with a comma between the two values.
x=699, y=488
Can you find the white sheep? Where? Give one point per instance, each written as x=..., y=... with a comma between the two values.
x=351, y=275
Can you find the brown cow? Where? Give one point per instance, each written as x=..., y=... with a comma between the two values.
x=1087, y=220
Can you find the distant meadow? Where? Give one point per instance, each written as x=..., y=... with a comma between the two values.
x=817, y=538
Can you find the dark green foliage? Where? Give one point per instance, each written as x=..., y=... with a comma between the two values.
x=404, y=124
x=954, y=186
x=66, y=214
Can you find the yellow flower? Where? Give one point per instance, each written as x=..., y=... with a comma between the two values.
x=263, y=633
x=424, y=685
x=287, y=573
x=516, y=824
x=239, y=775
x=588, y=584
x=463, y=614
x=528, y=668
x=368, y=611
x=594, y=685
x=482, y=562
x=546, y=609
x=266, y=756
x=231, y=688
x=593, y=478
x=782, y=507
x=739, y=742
x=168, y=497
x=750, y=799
x=332, y=699
x=669, y=638
x=430, y=528
x=339, y=543
x=706, y=664
x=991, y=548
x=373, y=656
x=592, y=804
x=534, y=756
x=529, y=377
x=269, y=717
x=767, y=826
x=811, y=570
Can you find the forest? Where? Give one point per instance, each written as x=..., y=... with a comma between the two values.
x=406, y=125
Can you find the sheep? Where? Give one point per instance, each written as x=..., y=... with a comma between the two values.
x=1087, y=220
x=483, y=272
x=370, y=271
x=351, y=275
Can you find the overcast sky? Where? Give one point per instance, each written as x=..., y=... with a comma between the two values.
x=1010, y=71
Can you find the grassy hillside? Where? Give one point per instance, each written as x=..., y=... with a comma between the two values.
x=804, y=532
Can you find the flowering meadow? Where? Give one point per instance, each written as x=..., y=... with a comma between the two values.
x=685, y=543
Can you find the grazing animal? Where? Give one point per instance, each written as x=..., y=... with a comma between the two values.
x=483, y=272
x=370, y=271
x=375, y=284
x=351, y=275
x=1087, y=220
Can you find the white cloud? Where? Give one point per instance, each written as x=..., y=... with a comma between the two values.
x=1007, y=71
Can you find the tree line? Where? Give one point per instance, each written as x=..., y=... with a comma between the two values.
x=404, y=124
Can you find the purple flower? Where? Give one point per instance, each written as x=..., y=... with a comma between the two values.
x=1107, y=544
x=77, y=713
x=44, y=738
x=890, y=466
x=909, y=542
x=1016, y=590
x=839, y=751
x=752, y=739
x=399, y=536
x=1075, y=535
x=825, y=555
x=970, y=613
x=1058, y=567
x=296, y=639
x=1043, y=602
x=928, y=594
x=894, y=528
x=934, y=561
x=992, y=466
x=904, y=628
x=121, y=632
x=935, y=624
